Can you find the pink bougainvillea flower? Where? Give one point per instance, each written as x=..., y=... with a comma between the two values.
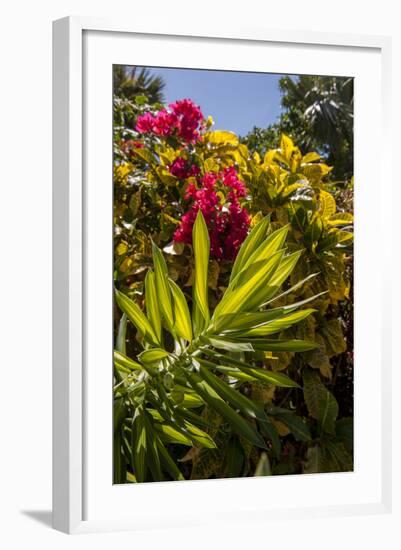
x=145, y=123
x=189, y=117
x=218, y=197
x=181, y=169
x=165, y=123
x=184, y=119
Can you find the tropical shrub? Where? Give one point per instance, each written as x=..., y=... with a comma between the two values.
x=318, y=113
x=207, y=357
x=171, y=170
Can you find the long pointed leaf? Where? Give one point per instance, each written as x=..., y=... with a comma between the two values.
x=152, y=304
x=226, y=344
x=211, y=397
x=293, y=289
x=248, y=247
x=281, y=274
x=139, y=445
x=201, y=438
x=154, y=355
x=269, y=377
x=121, y=335
x=169, y=434
x=243, y=297
x=272, y=286
x=162, y=286
x=182, y=318
x=277, y=325
x=234, y=397
x=243, y=321
x=266, y=344
x=274, y=242
x=168, y=463
x=201, y=246
x=123, y=362
x=153, y=454
x=136, y=316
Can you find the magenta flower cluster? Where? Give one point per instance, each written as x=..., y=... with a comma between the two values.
x=218, y=197
x=183, y=119
x=182, y=169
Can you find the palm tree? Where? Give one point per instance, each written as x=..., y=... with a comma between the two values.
x=319, y=115
x=130, y=81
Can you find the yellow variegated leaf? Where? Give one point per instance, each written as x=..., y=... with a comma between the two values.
x=250, y=245
x=154, y=355
x=269, y=158
x=121, y=361
x=286, y=146
x=310, y=157
x=182, y=318
x=274, y=242
x=211, y=165
x=246, y=295
x=327, y=204
x=341, y=218
x=146, y=155
x=277, y=325
x=201, y=246
x=121, y=248
x=222, y=137
x=152, y=304
x=315, y=172
x=137, y=317
x=162, y=286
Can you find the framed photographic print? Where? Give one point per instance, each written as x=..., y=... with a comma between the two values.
x=218, y=317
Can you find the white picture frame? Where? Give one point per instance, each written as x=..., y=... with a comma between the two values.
x=71, y=417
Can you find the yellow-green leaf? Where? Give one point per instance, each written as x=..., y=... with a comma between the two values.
x=268, y=247
x=263, y=467
x=234, y=397
x=250, y=245
x=136, y=316
x=266, y=344
x=145, y=155
x=152, y=304
x=162, y=286
x=327, y=204
x=310, y=157
x=154, y=355
x=222, y=137
x=277, y=325
x=287, y=147
x=121, y=361
x=139, y=445
x=280, y=275
x=341, y=218
x=201, y=246
x=211, y=397
x=122, y=335
x=168, y=462
x=268, y=377
x=182, y=318
x=170, y=435
x=250, y=293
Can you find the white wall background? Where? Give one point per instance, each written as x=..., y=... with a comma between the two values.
x=25, y=218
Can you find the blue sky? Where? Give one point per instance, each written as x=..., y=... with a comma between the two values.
x=237, y=101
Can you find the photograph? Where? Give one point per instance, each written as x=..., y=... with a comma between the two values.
x=232, y=274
